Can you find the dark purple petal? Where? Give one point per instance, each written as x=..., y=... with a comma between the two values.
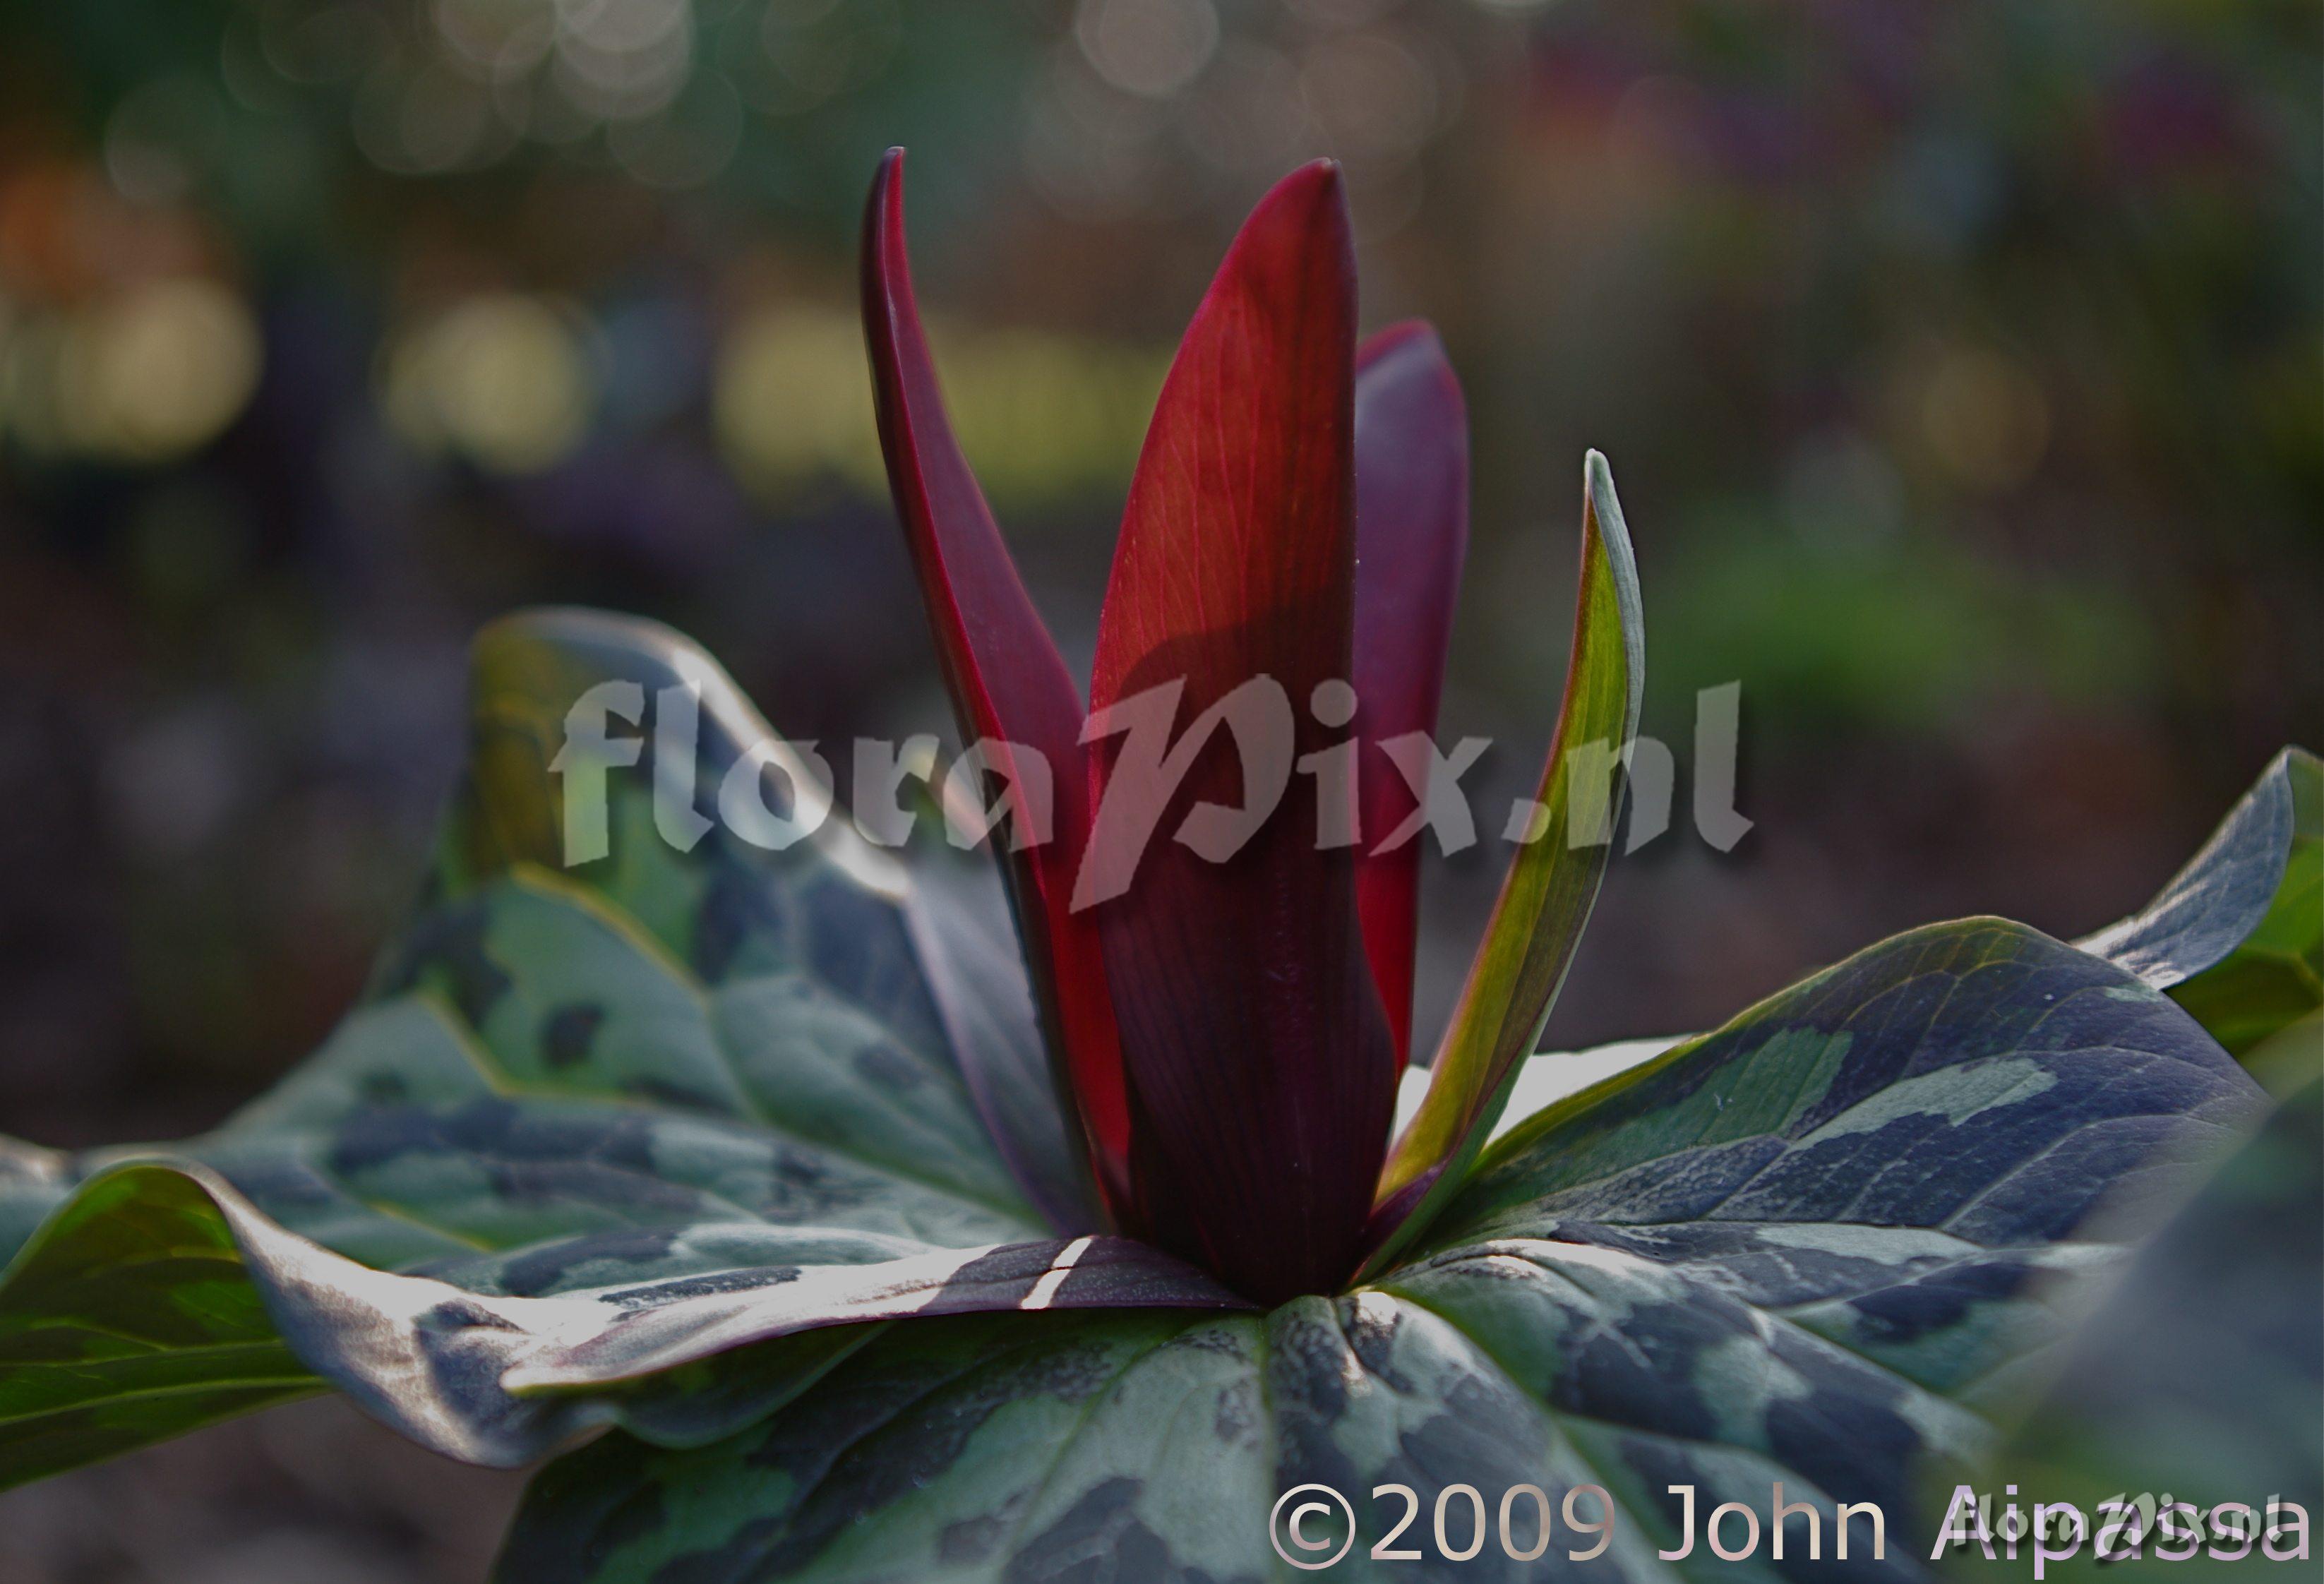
x=1412, y=533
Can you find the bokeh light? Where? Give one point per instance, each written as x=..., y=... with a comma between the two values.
x=1150, y=48
x=1046, y=419
x=502, y=380
x=1984, y=416
x=146, y=376
x=792, y=402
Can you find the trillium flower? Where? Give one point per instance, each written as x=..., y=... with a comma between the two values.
x=1230, y=1034
x=742, y=1146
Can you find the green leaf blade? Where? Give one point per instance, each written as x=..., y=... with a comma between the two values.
x=2238, y=936
x=2201, y=1372
x=595, y=1125
x=128, y=1320
x=1823, y=1245
x=156, y=1276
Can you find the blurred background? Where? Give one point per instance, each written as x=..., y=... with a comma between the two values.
x=1960, y=364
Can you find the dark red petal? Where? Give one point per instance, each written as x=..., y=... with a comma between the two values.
x=1412, y=533
x=1007, y=680
x=1260, y=1070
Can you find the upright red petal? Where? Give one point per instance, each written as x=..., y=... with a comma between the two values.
x=1412, y=534
x=1261, y=1071
x=1006, y=678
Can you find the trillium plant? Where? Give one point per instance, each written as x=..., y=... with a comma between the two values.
x=803, y=1218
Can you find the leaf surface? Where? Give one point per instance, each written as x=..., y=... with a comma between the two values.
x=2238, y=936
x=596, y=1119
x=959, y=918
x=162, y=1282
x=131, y=1320
x=1817, y=1246
x=2201, y=1371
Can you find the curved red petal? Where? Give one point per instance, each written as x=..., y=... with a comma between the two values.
x=1261, y=1071
x=1007, y=680
x=1411, y=535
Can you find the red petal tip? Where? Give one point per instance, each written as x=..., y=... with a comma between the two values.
x=1317, y=182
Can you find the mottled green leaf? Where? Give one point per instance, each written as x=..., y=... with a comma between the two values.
x=959, y=915
x=1817, y=1246
x=2200, y=1376
x=712, y=1072
x=1550, y=887
x=2237, y=936
x=128, y=1319
x=158, y=1280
